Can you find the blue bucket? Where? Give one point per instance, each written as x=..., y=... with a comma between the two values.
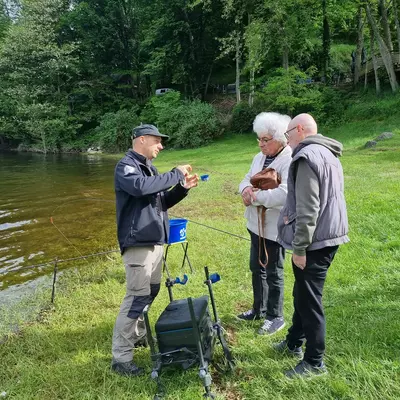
x=177, y=230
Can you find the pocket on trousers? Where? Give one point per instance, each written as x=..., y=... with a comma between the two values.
x=136, y=278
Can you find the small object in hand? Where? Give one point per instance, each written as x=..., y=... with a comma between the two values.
x=204, y=178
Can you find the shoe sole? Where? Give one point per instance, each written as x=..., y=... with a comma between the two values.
x=266, y=333
x=307, y=376
x=127, y=374
x=289, y=353
x=247, y=320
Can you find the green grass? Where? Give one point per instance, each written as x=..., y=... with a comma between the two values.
x=66, y=353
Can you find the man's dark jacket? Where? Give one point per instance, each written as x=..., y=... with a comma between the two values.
x=142, y=200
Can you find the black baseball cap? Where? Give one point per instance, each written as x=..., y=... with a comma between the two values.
x=146, y=129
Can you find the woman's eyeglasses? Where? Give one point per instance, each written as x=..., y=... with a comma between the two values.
x=264, y=140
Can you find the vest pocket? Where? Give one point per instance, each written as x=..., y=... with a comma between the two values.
x=286, y=227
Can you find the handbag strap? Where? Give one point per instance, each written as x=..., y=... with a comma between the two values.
x=261, y=231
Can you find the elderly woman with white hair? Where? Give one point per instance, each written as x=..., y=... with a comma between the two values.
x=267, y=269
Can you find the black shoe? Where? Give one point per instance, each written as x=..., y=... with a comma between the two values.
x=126, y=369
x=305, y=370
x=282, y=347
x=250, y=315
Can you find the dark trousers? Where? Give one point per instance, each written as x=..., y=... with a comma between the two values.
x=267, y=282
x=308, y=322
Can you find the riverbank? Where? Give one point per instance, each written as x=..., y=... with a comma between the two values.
x=65, y=354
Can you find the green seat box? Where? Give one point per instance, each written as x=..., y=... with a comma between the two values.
x=174, y=327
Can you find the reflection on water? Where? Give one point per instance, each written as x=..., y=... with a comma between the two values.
x=76, y=192
x=9, y=225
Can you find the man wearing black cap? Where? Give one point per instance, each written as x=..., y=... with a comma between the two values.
x=142, y=200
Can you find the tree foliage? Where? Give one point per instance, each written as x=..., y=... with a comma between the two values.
x=72, y=71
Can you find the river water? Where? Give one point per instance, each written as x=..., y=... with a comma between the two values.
x=76, y=192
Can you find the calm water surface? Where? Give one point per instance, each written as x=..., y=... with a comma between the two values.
x=75, y=190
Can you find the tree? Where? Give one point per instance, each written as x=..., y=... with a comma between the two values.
x=256, y=53
x=396, y=21
x=374, y=63
x=385, y=24
x=359, y=47
x=36, y=72
x=385, y=53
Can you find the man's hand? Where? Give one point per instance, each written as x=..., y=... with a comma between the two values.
x=299, y=261
x=185, y=169
x=191, y=181
x=248, y=195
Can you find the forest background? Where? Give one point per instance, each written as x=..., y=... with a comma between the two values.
x=78, y=74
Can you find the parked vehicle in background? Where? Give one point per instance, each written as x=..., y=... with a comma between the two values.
x=160, y=92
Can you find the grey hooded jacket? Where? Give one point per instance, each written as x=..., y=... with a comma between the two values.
x=315, y=214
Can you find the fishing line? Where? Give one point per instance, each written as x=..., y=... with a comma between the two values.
x=68, y=202
x=112, y=201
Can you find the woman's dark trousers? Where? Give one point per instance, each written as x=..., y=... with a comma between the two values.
x=267, y=282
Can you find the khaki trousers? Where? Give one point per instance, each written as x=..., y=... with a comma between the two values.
x=143, y=267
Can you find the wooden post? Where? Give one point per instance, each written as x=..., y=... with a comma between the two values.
x=53, y=292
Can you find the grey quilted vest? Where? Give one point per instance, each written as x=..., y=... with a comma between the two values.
x=332, y=225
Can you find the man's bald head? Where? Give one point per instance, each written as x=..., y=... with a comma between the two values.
x=299, y=128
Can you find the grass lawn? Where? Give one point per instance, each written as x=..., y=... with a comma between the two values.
x=66, y=354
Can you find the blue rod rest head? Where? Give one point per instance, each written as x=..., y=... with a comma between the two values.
x=215, y=277
x=183, y=281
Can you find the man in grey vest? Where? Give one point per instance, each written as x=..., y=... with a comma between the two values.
x=313, y=223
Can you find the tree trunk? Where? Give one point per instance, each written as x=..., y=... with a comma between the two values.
x=366, y=75
x=251, y=97
x=396, y=21
x=237, y=83
x=385, y=53
x=285, y=57
x=326, y=40
x=374, y=63
x=44, y=142
x=208, y=81
x=385, y=25
x=360, y=44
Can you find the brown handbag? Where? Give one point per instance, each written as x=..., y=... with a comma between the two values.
x=266, y=179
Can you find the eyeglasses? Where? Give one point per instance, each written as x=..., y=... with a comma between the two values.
x=264, y=140
x=287, y=132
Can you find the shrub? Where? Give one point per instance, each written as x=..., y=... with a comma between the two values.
x=242, y=118
x=114, y=132
x=287, y=91
x=369, y=106
x=188, y=123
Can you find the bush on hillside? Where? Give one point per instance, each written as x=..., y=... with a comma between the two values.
x=368, y=106
x=114, y=132
x=243, y=116
x=188, y=123
x=292, y=92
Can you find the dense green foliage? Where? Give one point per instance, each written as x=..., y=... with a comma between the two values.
x=188, y=123
x=70, y=69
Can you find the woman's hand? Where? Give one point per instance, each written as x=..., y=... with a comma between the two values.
x=248, y=195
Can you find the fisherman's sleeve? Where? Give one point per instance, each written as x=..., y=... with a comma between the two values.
x=307, y=207
x=131, y=180
x=175, y=195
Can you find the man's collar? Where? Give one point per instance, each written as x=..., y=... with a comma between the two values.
x=141, y=158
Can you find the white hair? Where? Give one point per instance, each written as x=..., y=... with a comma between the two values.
x=273, y=123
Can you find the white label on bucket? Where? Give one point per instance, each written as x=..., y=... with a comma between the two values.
x=182, y=234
